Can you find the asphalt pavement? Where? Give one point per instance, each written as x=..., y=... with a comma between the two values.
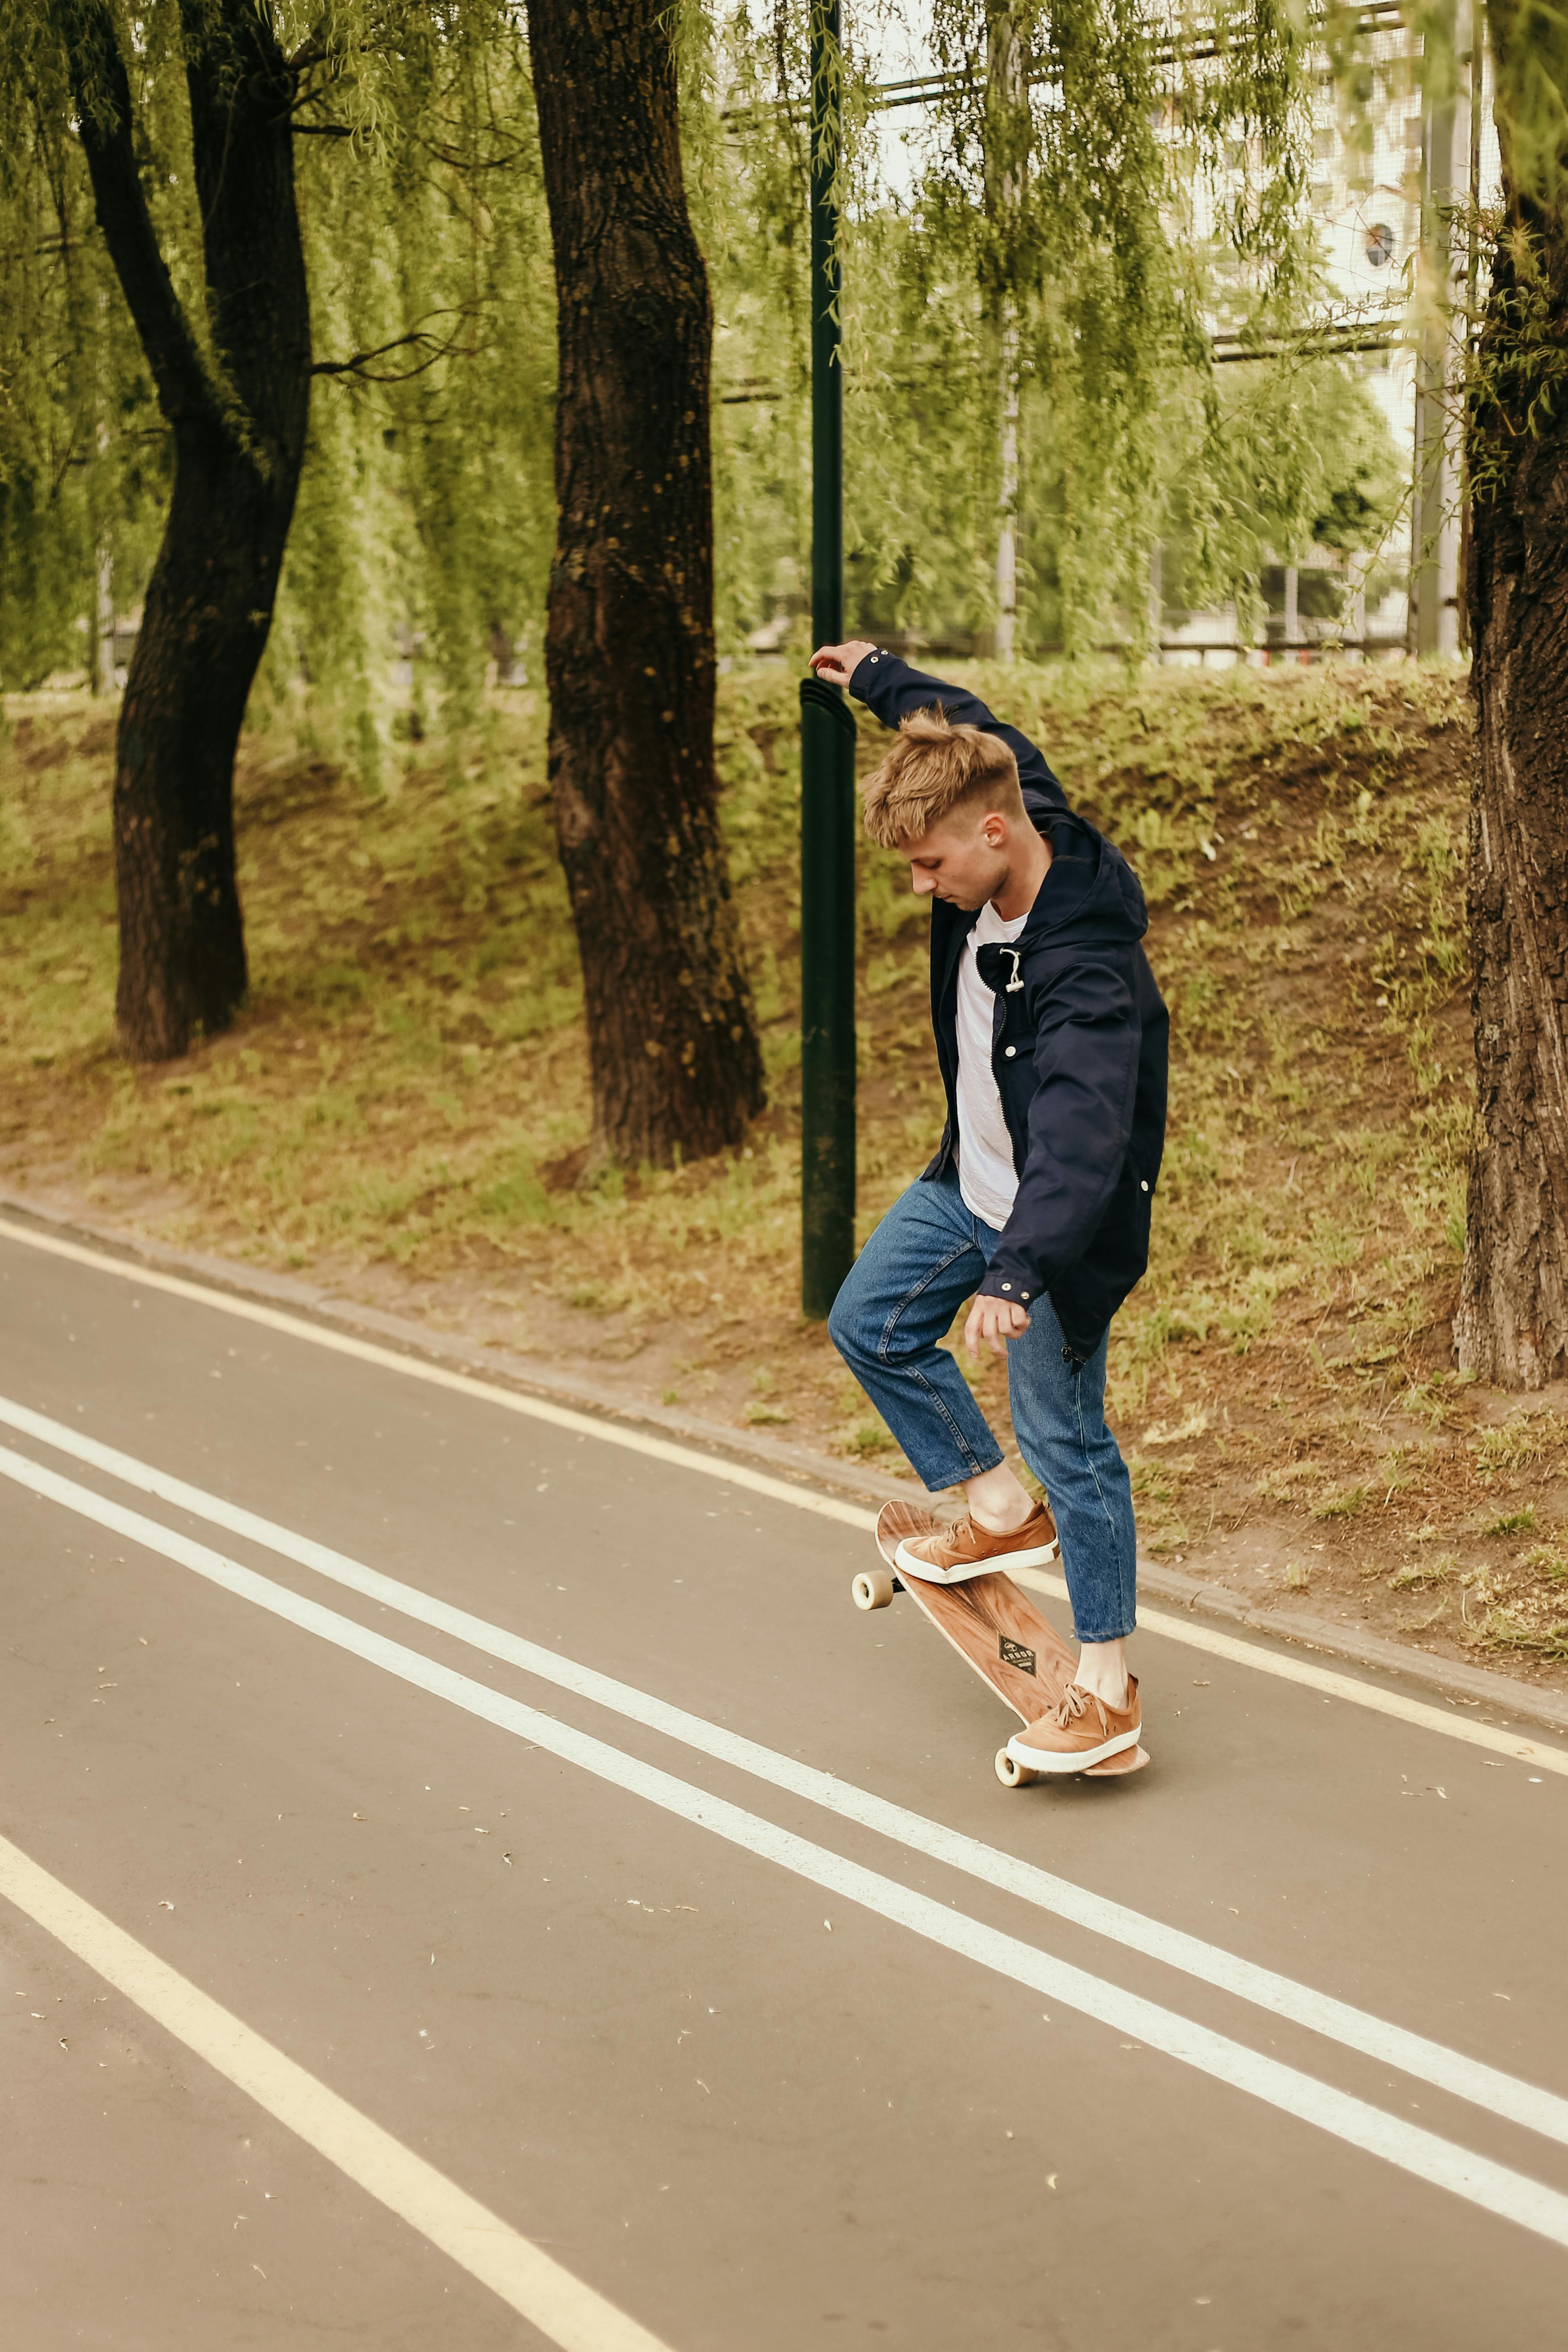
x=513, y=1898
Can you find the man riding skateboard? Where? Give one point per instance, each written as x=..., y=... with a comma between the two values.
x=1052, y=1038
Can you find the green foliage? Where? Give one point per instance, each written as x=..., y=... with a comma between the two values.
x=425, y=513
x=1061, y=239
x=1362, y=491
x=1530, y=49
x=82, y=469
x=1065, y=242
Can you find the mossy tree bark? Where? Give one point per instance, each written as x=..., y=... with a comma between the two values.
x=237, y=400
x=1512, y=1324
x=629, y=657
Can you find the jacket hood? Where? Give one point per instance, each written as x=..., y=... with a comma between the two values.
x=1090, y=896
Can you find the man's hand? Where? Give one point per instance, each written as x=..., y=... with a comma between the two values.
x=993, y=1322
x=838, y=664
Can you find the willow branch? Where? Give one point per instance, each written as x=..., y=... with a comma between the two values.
x=435, y=349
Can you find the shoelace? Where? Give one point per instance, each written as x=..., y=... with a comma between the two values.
x=959, y=1538
x=966, y=1535
x=1075, y=1702
x=962, y=1538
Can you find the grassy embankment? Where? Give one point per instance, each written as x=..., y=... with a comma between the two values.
x=402, y=1109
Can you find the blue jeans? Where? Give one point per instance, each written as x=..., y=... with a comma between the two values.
x=925, y=1258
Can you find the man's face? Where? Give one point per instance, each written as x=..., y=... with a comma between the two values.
x=962, y=860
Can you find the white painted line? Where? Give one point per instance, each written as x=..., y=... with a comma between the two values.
x=1512, y=2196
x=536, y=2285
x=1391, y=2045
x=779, y=1490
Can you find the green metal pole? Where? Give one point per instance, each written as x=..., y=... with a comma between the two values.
x=826, y=334
x=827, y=750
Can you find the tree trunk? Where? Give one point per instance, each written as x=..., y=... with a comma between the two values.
x=675, y=1061
x=238, y=423
x=1512, y=1324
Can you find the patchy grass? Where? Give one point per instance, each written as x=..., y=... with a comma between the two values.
x=402, y=1109
x=1523, y=1438
x=1420, y=1575
x=1346, y=1505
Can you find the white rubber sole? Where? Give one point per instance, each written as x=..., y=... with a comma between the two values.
x=1033, y=1555
x=1078, y=1760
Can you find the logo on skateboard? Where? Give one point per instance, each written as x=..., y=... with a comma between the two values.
x=1014, y=1653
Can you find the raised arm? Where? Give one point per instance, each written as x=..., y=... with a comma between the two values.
x=891, y=689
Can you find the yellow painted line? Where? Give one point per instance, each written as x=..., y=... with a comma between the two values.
x=1291, y=1669
x=1282, y=1666
x=534, y=2286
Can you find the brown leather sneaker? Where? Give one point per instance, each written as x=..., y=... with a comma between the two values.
x=1080, y=1731
x=952, y=1555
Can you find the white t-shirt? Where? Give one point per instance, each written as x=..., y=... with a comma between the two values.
x=986, y=1178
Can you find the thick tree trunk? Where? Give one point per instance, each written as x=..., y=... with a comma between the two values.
x=239, y=438
x=1512, y=1324
x=204, y=625
x=675, y=1065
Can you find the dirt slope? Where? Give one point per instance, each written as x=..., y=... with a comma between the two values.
x=402, y=1112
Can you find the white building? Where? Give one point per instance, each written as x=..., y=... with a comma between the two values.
x=1385, y=161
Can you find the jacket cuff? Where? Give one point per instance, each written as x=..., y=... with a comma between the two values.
x=875, y=678
x=1004, y=1282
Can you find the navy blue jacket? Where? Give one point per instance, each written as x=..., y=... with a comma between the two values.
x=1080, y=1043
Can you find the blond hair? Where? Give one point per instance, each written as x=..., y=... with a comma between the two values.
x=934, y=769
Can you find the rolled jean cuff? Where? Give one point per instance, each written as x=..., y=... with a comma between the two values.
x=937, y=1476
x=1118, y=1633
x=946, y=1439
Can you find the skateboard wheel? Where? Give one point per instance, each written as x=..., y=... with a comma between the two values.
x=1012, y=1774
x=874, y=1589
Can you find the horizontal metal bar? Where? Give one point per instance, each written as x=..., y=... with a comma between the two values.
x=1315, y=343
x=925, y=89
x=1273, y=645
x=1312, y=347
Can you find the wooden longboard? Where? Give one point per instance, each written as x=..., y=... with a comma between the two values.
x=996, y=1630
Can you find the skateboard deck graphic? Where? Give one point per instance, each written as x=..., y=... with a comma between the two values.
x=1001, y=1634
